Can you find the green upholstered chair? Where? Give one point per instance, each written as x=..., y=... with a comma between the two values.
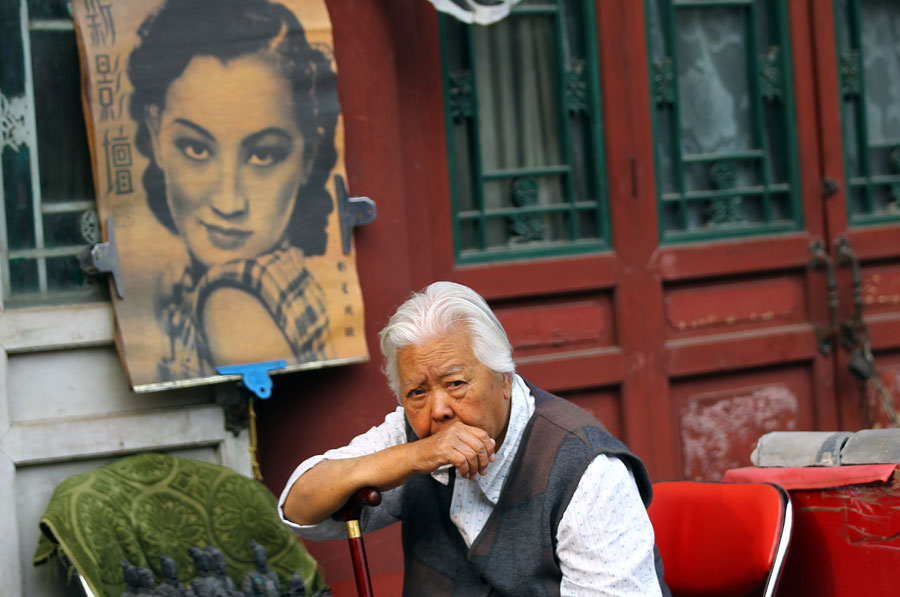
x=138, y=506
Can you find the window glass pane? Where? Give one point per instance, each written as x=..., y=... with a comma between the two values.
x=776, y=146
x=70, y=228
x=587, y=225
x=63, y=273
x=583, y=159
x=463, y=180
x=23, y=274
x=713, y=81
x=575, y=43
x=468, y=236
x=50, y=9
x=546, y=229
x=17, y=195
x=523, y=192
x=781, y=207
x=881, y=52
x=62, y=140
x=869, y=60
x=517, y=100
x=723, y=121
x=50, y=218
x=12, y=61
x=524, y=141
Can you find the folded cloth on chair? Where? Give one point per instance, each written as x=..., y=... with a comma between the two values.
x=136, y=507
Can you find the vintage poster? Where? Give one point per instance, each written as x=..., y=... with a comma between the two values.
x=216, y=137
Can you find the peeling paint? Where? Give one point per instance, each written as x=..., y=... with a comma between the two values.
x=866, y=515
x=846, y=541
x=882, y=289
x=718, y=431
x=732, y=304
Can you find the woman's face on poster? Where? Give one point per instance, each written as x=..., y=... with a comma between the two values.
x=231, y=151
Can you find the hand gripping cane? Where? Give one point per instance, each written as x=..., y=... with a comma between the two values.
x=367, y=496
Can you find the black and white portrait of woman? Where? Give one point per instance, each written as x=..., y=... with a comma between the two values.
x=236, y=114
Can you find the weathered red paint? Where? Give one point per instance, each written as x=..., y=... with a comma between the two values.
x=603, y=330
x=845, y=541
x=719, y=429
x=734, y=306
x=720, y=418
x=881, y=289
x=570, y=324
x=731, y=257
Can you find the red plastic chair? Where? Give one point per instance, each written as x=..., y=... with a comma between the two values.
x=721, y=538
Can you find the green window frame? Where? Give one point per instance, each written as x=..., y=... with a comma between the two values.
x=871, y=134
x=552, y=201
x=49, y=216
x=723, y=119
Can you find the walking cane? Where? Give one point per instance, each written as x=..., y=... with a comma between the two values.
x=367, y=496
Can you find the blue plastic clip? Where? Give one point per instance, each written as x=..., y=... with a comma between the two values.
x=255, y=375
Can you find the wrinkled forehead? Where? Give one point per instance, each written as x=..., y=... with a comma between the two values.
x=437, y=355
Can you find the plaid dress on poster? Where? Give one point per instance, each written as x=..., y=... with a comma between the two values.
x=281, y=282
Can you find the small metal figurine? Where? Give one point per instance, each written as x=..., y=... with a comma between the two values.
x=170, y=586
x=219, y=566
x=203, y=584
x=261, y=571
x=146, y=582
x=297, y=588
x=212, y=578
x=132, y=582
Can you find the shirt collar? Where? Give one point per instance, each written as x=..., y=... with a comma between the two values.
x=491, y=483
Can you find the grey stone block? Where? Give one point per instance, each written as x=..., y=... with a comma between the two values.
x=872, y=446
x=799, y=448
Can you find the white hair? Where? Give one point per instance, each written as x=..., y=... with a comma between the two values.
x=435, y=311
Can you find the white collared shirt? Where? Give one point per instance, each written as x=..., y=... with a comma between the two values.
x=604, y=539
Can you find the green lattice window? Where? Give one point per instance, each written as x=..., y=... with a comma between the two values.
x=723, y=118
x=869, y=66
x=524, y=135
x=46, y=188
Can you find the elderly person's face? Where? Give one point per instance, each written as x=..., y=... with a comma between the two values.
x=441, y=381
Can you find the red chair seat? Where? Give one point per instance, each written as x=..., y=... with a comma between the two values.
x=720, y=538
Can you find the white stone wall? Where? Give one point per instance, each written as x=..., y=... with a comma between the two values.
x=66, y=408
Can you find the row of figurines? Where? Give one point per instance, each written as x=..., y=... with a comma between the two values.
x=212, y=579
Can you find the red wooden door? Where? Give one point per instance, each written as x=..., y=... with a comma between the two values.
x=860, y=144
x=738, y=325
x=688, y=350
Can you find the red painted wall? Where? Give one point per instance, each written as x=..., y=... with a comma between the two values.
x=672, y=346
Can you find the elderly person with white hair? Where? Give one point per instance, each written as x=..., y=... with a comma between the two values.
x=502, y=488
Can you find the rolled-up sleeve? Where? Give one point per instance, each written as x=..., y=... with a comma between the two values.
x=389, y=433
x=605, y=539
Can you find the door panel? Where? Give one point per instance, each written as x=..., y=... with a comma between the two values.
x=740, y=345
x=721, y=417
x=857, y=72
x=707, y=321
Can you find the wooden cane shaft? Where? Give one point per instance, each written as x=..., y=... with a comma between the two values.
x=358, y=557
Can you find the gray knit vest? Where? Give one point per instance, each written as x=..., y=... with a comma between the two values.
x=514, y=555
